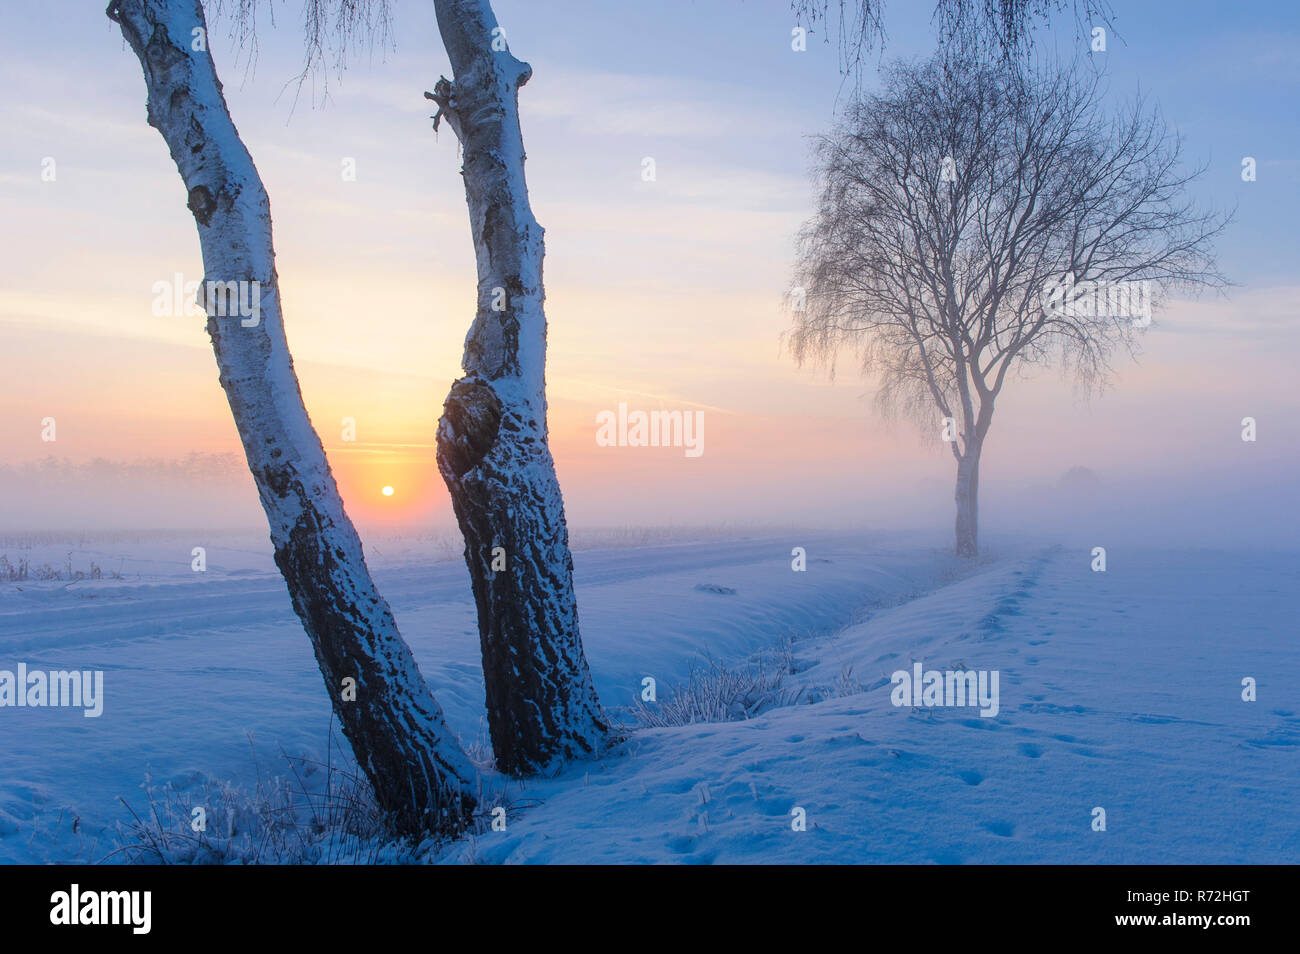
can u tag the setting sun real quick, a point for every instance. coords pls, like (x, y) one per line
(387, 491)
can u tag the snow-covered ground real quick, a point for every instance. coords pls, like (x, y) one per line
(1119, 690)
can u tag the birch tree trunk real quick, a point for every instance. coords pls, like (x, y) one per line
(967, 497)
(421, 777)
(492, 438)
(978, 418)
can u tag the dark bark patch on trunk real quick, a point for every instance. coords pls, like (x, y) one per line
(196, 138)
(470, 422)
(202, 203)
(161, 52)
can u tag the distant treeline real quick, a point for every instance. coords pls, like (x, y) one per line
(191, 469)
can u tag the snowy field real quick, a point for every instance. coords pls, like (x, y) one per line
(1119, 690)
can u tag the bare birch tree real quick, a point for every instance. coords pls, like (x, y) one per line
(974, 220)
(492, 438)
(421, 777)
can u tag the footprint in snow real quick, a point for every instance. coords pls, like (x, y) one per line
(1000, 828)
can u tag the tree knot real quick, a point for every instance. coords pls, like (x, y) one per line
(443, 94)
(202, 203)
(471, 419)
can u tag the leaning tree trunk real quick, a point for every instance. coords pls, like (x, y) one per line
(421, 777)
(492, 438)
(967, 496)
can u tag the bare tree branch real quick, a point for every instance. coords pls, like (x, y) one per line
(990, 29)
(333, 32)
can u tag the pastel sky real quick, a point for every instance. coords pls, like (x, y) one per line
(663, 294)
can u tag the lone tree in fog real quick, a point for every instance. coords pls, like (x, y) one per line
(974, 220)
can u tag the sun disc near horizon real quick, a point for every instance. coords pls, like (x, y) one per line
(387, 491)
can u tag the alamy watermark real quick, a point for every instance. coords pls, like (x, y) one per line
(1067, 298)
(75, 907)
(950, 687)
(56, 688)
(212, 298)
(624, 428)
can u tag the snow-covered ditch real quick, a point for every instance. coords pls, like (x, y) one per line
(1119, 690)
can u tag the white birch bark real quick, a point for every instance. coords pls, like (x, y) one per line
(421, 777)
(492, 438)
